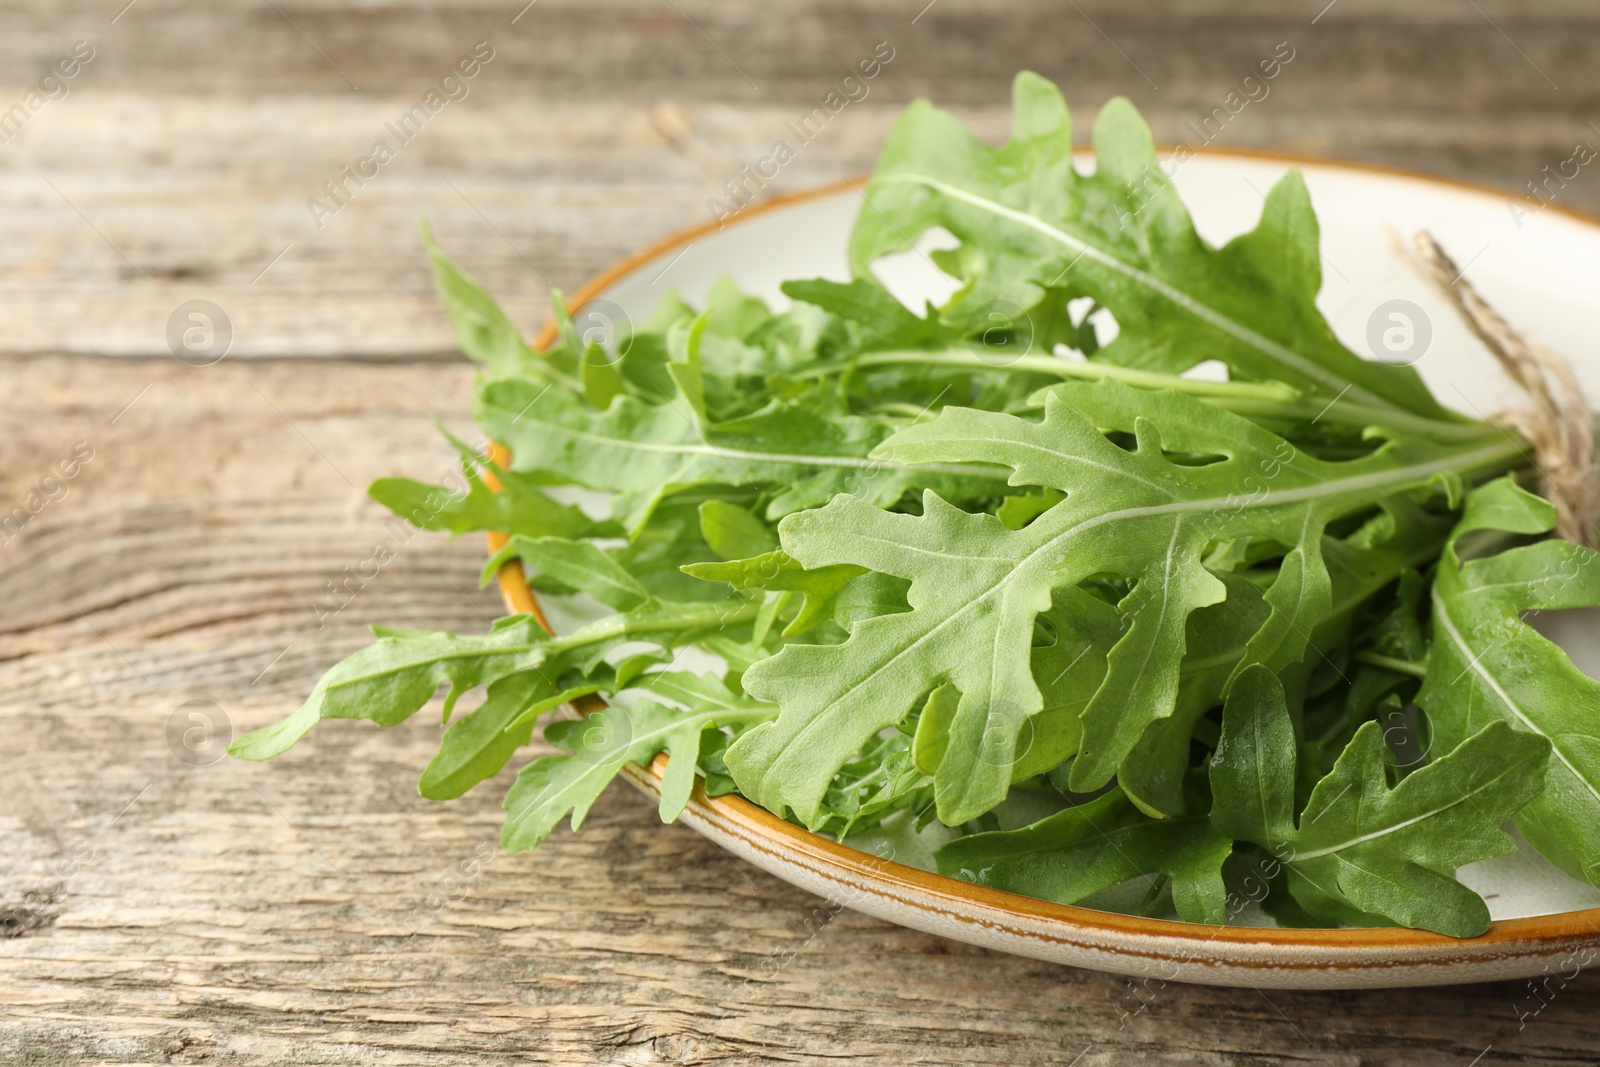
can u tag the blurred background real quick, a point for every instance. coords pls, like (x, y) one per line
(160, 160)
(184, 153)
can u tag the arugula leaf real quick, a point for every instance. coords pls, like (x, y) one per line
(1027, 220)
(1216, 643)
(878, 319)
(476, 746)
(642, 452)
(931, 739)
(976, 586)
(1223, 637)
(578, 564)
(732, 532)
(483, 330)
(390, 679)
(598, 746)
(1487, 665)
(885, 779)
(1366, 848)
(732, 313)
(517, 505)
(655, 552)
(1079, 851)
(819, 587)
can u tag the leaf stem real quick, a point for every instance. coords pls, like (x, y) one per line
(910, 412)
(1267, 400)
(1060, 368)
(681, 617)
(1345, 413)
(1414, 668)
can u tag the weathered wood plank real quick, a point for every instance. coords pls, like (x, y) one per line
(556, 163)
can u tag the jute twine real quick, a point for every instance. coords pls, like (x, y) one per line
(1557, 421)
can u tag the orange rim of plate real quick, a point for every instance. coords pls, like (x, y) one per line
(1547, 931)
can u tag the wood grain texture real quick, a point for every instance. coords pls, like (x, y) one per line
(315, 910)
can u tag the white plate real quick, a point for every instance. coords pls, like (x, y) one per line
(1539, 268)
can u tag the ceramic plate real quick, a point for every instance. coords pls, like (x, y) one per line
(1540, 267)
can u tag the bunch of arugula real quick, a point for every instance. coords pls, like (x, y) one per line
(944, 563)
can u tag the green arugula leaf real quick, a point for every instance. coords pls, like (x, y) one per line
(732, 532)
(932, 737)
(390, 679)
(642, 452)
(476, 746)
(656, 551)
(977, 587)
(1487, 665)
(518, 504)
(1079, 851)
(820, 587)
(1375, 850)
(878, 319)
(1027, 219)
(598, 746)
(601, 379)
(1220, 639)
(483, 330)
(1019, 509)
(578, 564)
(733, 313)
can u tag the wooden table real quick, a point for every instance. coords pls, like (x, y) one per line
(315, 910)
